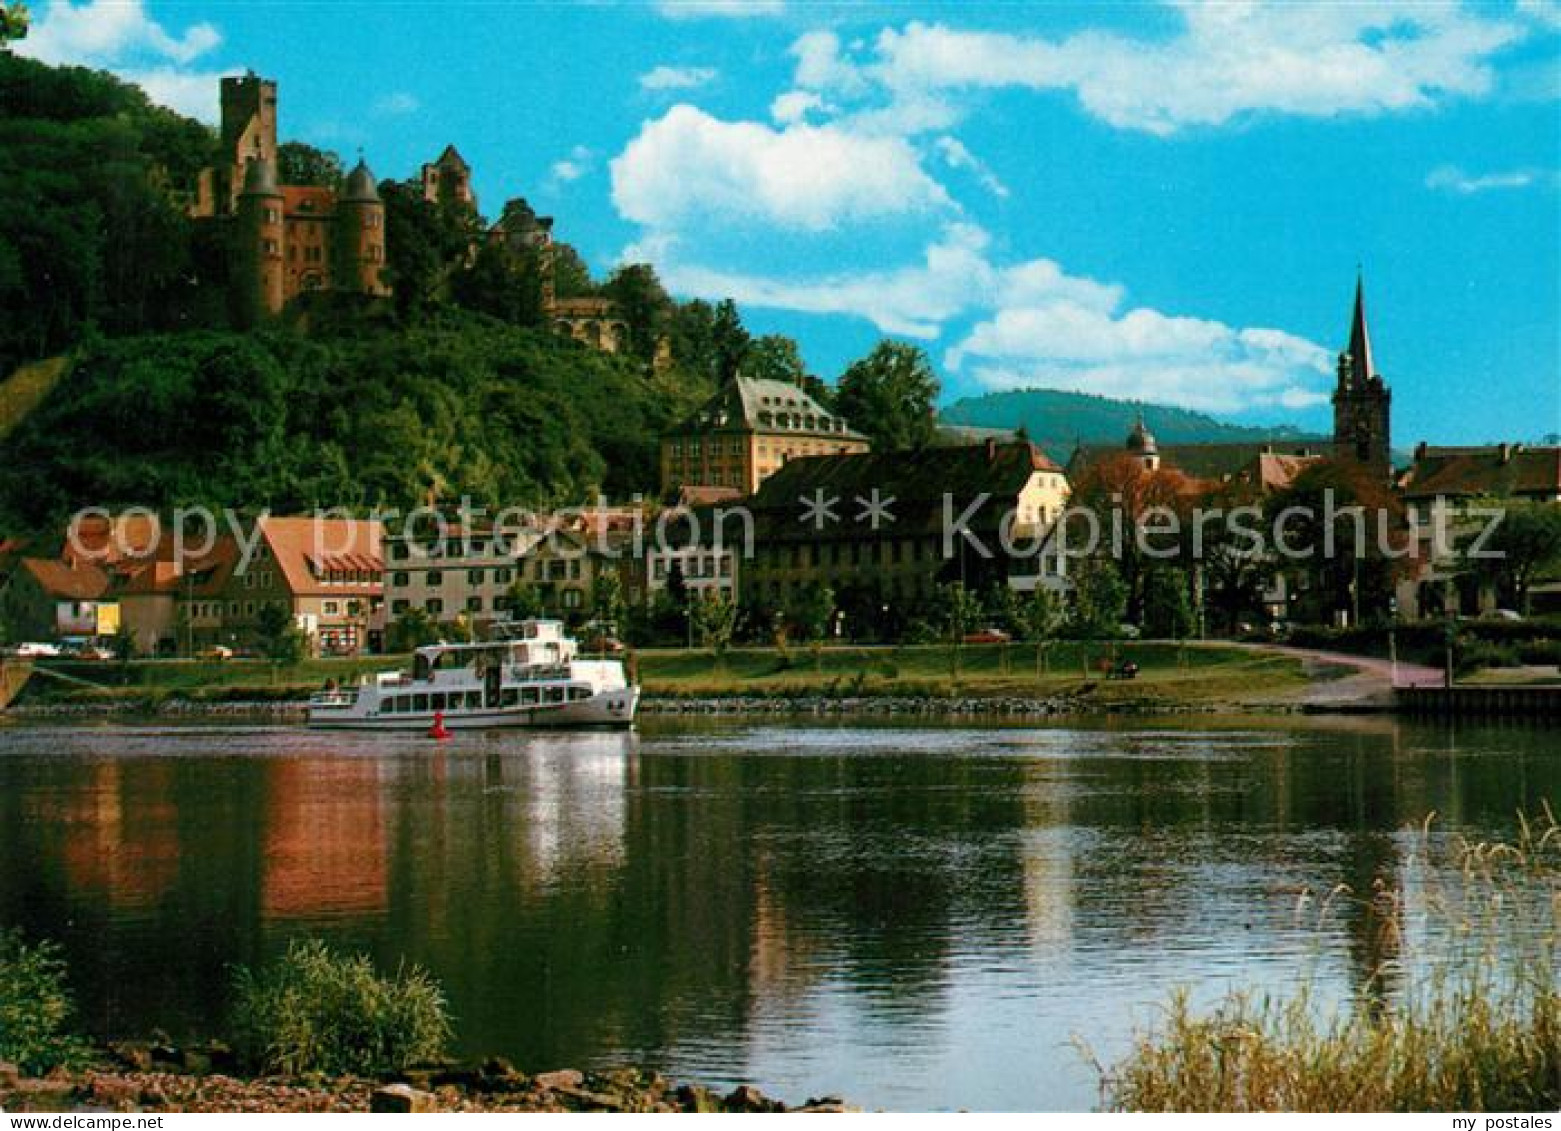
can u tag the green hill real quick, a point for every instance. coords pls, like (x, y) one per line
(1058, 420)
(461, 405)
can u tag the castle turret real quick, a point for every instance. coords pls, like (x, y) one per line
(1361, 399)
(258, 236)
(360, 238)
(248, 133)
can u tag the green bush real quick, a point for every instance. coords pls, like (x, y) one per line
(1476, 655)
(35, 1007)
(318, 1011)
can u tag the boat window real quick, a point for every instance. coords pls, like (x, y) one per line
(420, 702)
(511, 696)
(420, 666)
(579, 693)
(528, 695)
(436, 700)
(554, 694)
(474, 700)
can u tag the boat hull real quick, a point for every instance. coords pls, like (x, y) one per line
(608, 709)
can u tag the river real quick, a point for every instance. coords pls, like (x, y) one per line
(912, 916)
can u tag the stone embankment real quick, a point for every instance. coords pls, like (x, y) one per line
(816, 706)
(140, 1077)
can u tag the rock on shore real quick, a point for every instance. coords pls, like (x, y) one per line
(129, 1082)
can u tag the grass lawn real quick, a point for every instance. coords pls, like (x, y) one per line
(1202, 674)
(1165, 672)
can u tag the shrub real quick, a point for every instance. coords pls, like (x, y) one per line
(318, 1011)
(35, 1007)
(1475, 655)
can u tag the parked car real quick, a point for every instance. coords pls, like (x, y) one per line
(95, 653)
(215, 652)
(604, 645)
(987, 636)
(36, 650)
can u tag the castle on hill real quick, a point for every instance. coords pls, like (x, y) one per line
(291, 240)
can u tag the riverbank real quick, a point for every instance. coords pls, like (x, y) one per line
(1065, 678)
(151, 1077)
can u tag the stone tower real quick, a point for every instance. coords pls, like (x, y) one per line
(248, 134)
(1361, 401)
(360, 235)
(258, 234)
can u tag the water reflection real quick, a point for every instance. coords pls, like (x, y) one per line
(917, 916)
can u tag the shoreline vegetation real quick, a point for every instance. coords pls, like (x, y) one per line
(1462, 1014)
(1063, 678)
(315, 1029)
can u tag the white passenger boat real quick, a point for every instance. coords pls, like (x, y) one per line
(529, 677)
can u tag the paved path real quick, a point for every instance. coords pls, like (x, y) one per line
(1370, 682)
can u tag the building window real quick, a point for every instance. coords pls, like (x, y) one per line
(474, 604)
(434, 605)
(399, 607)
(400, 579)
(474, 577)
(332, 608)
(435, 577)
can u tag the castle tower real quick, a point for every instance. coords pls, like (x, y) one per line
(1361, 400)
(448, 180)
(248, 134)
(360, 235)
(258, 234)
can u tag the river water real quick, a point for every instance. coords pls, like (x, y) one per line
(912, 916)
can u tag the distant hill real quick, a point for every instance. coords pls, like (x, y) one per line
(1057, 420)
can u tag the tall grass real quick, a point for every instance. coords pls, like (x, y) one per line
(35, 1007)
(1476, 1026)
(318, 1011)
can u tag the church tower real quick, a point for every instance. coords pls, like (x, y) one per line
(1361, 400)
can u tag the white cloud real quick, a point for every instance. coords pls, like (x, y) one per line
(1450, 178)
(676, 78)
(914, 301)
(1060, 332)
(1547, 12)
(795, 105)
(1226, 61)
(726, 9)
(120, 36)
(397, 102)
(687, 166)
(954, 153)
(580, 161)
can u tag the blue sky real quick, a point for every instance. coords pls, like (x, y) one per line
(1162, 201)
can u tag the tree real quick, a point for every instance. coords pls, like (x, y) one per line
(1099, 599)
(1168, 611)
(775, 357)
(522, 600)
(643, 303)
(715, 620)
(1043, 619)
(425, 244)
(809, 613)
(13, 21)
(960, 607)
(1524, 546)
(571, 276)
(889, 396)
(301, 164)
(280, 638)
(729, 340)
(607, 598)
(413, 629)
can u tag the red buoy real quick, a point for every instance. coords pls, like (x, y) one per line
(438, 730)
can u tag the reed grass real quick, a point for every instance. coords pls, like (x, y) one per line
(1475, 1026)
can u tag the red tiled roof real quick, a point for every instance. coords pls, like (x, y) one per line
(1499, 470)
(85, 582)
(307, 200)
(304, 547)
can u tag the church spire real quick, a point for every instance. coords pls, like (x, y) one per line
(1360, 340)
